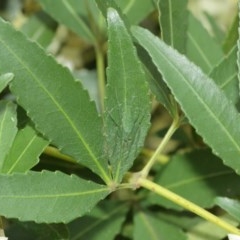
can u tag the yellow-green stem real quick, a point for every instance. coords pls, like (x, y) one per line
(165, 140)
(53, 152)
(187, 205)
(101, 75)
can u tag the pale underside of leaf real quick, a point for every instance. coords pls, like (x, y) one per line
(206, 106)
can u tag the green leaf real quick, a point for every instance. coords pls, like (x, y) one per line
(205, 230)
(104, 222)
(231, 206)
(39, 28)
(136, 10)
(8, 128)
(148, 226)
(232, 36)
(47, 196)
(56, 103)
(25, 150)
(156, 84)
(201, 48)
(173, 18)
(29, 230)
(199, 98)
(225, 75)
(127, 103)
(199, 172)
(71, 13)
(5, 79)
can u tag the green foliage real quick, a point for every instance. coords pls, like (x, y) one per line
(69, 166)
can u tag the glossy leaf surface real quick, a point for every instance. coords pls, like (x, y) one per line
(148, 226)
(25, 151)
(174, 23)
(8, 128)
(199, 172)
(5, 79)
(47, 196)
(127, 103)
(51, 89)
(103, 222)
(201, 48)
(199, 98)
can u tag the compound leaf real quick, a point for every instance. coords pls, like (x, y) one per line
(199, 98)
(127, 101)
(25, 151)
(56, 103)
(47, 196)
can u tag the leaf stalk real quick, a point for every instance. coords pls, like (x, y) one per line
(143, 182)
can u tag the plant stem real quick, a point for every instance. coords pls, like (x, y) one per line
(54, 152)
(187, 205)
(100, 74)
(165, 140)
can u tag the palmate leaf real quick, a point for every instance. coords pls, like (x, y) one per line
(25, 151)
(5, 79)
(173, 18)
(199, 177)
(103, 222)
(127, 103)
(56, 103)
(8, 128)
(206, 106)
(47, 196)
(73, 14)
(148, 226)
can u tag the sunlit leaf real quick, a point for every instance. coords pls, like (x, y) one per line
(56, 103)
(47, 196)
(199, 98)
(25, 150)
(127, 103)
